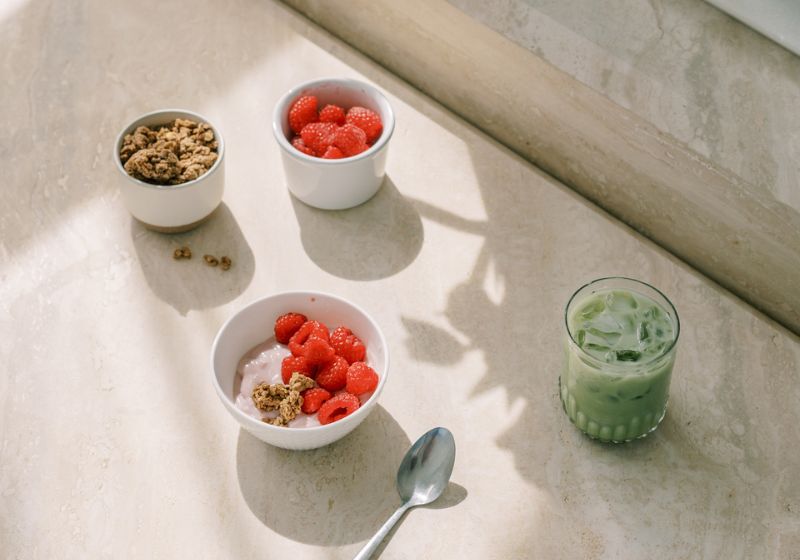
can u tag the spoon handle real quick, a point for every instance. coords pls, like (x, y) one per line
(376, 539)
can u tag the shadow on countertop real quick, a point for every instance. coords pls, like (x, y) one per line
(336, 495)
(191, 283)
(372, 241)
(339, 494)
(453, 495)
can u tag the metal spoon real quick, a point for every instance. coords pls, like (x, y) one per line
(421, 478)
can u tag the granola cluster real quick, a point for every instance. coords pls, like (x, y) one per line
(285, 399)
(175, 153)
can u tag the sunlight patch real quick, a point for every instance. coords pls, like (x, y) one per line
(8, 7)
(494, 284)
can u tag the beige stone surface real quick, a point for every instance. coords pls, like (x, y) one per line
(711, 82)
(736, 218)
(112, 441)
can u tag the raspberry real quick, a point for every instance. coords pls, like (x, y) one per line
(333, 153)
(302, 112)
(318, 351)
(348, 345)
(332, 113)
(288, 324)
(318, 136)
(338, 337)
(366, 120)
(337, 407)
(313, 399)
(361, 379)
(299, 364)
(350, 139)
(333, 376)
(298, 143)
(309, 329)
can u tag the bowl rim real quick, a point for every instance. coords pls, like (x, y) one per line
(282, 107)
(189, 114)
(247, 420)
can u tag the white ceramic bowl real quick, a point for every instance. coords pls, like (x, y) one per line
(334, 184)
(172, 208)
(254, 324)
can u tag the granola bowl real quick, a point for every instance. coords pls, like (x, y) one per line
(172, 208)
(334, 184)
(253, 324)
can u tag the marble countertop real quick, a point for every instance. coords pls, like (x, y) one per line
(727, 224)
(697, 74)
(112, 441)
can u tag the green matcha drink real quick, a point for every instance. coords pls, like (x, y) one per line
(621, 345)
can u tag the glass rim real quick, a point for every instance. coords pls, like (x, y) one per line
(627, 366)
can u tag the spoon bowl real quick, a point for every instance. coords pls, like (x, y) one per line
(422, 477)
(426, 468)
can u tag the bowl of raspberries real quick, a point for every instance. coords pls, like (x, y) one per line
(300, 370)
(334, 136)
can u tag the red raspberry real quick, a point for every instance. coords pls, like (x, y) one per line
(296, 364)
(302, 112)
(338, 337)
(318, 136)
(288, 324)
(298, 143)
(309, 329)
(313, 399)
(333, 153)
(337, 407)
(366, 120)
(361, 379)
(348, 345)
(332, 113)
(333, 376)
(318, 351)
(350, 139)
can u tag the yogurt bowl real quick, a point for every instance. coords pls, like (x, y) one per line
(334, 184)
(253, 324)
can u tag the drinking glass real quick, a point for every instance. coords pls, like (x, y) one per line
(621, 342)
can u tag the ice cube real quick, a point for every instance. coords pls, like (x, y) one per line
(642, 332)
(620, 301)
(607, 323)
(628, 322)
(652, 312)
(592, 309)
(628, 355)
(609, 337)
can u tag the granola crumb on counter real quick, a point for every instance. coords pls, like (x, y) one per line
(182, 253)
(286, 399)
